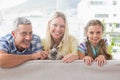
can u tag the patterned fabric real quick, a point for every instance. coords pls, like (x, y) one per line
(82, 47)
(7, 44)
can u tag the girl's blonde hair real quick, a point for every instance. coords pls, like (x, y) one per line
(48, 38)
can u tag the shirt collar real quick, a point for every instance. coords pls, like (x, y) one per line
(14, 49)
(60, 44)
(94, 49)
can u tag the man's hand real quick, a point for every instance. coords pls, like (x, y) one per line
(40, 55)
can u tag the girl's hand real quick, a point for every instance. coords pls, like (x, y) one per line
(100, 60)
(88, 60)
(70, 58)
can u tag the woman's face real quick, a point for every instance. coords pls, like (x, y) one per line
(57, 28)
(94, 34)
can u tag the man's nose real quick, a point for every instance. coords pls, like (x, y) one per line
(28, 37)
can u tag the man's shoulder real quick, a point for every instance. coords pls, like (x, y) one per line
(36, 38)
(6, 42)
(7, 37)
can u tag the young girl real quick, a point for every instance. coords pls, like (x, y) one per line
(95, 48)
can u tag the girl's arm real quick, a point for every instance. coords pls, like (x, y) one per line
(81, 55)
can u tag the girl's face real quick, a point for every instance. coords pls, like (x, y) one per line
(57, 28)
(94, 34)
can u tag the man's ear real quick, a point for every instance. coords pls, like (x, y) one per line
(13, 34)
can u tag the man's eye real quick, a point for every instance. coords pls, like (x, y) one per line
(23, 34)
(30, 33)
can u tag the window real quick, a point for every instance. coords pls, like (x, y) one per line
(101, 15)
(114, 3)
(97, 3)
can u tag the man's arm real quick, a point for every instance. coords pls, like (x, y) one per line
(11, 60)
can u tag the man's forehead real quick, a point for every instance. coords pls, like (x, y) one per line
(25, 28)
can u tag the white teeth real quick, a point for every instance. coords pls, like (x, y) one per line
(26, 42)
(57, 33)
(95, 39)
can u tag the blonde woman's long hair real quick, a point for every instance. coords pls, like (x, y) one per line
(48, 38)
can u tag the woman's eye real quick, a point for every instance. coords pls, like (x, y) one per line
(62, 26)
(55, 25)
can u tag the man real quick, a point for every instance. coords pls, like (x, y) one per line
(21, 45)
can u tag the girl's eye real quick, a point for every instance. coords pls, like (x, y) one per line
(98, 32)
(91, 32)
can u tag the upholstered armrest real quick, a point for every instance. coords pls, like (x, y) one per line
(57, 70)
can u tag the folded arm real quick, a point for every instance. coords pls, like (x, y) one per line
(12, 60)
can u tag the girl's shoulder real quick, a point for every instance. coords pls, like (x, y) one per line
(105, 41)
(82, 44)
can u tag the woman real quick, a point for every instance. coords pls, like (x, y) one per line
(57, 35)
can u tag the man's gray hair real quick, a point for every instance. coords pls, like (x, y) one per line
(21, 20)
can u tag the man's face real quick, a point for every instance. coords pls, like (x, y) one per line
(22, 36)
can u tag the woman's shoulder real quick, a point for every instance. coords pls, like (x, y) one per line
(43, 41)
(71, 37)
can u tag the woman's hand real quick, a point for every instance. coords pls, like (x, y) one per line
(70, 58)
(100, 60)
(88, 60)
